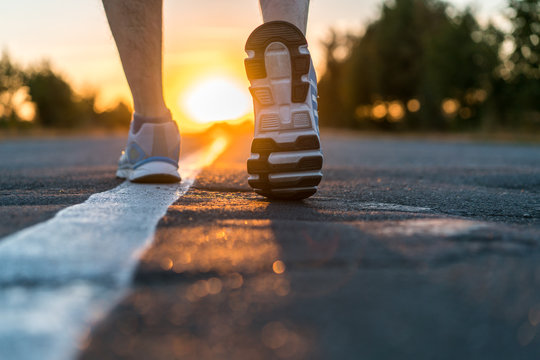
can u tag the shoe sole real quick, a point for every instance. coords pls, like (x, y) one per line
(155, 172)
(286, 158)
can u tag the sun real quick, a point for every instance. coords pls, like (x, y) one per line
(216, 99)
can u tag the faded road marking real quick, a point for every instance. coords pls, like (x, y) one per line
(438, 227)
(392, 207)
(60, 276)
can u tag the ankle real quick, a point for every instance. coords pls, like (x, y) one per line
(138, 120)
(155, 110)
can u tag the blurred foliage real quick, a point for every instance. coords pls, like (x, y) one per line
(525, 18)
(56, 103)
(11, 81)
(41, 97)
(423, 65)
(522, 70)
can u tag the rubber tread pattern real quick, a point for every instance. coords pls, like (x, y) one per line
(290, 36)
(295, 189)
(264, 166)
(303, 142)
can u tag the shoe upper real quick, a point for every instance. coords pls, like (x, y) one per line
(314, 95)
(151, 142)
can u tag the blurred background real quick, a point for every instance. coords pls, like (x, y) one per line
(394, 66)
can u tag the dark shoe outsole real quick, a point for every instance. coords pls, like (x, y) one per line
(263, 168)
(157, 179)
(289, 35)
(287, 194)
(304, 170)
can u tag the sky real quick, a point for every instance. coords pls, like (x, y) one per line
(202, 39)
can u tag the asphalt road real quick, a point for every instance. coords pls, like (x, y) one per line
(415, 249)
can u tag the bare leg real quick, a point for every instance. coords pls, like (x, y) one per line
(153, 143)
(293, 11)
(137, 29)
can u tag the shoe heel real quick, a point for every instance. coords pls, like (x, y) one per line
(155, 172)
(291, 38)
(286, 159)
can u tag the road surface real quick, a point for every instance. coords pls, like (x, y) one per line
(415, 249)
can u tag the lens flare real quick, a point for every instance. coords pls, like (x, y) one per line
(216, 99)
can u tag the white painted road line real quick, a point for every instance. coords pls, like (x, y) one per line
(60, 276)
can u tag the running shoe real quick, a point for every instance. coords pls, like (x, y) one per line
(151, 154)
(286, 158)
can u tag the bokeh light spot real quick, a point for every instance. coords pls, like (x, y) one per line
(396, 111)
(450, 106)
(278, 266)
(379, 111)
(413, 105)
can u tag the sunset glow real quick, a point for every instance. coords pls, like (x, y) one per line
(216, 99)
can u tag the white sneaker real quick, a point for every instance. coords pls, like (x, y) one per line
(286, 157)
(151, 154)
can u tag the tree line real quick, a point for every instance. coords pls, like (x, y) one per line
(421, 65)
(39, 96)
(424, 65)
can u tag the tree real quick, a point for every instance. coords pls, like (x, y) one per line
(118, 117)
(420, 65)
(525, 19)
(460, 64)
(523, 66)
(56, 103)
(10, 83)
(331, 94)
